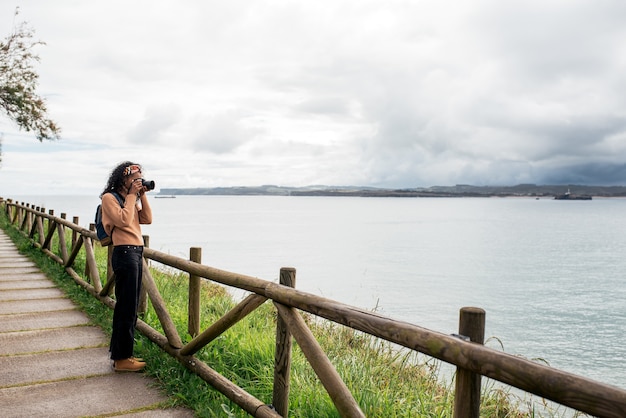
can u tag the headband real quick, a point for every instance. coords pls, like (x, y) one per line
(132, 169)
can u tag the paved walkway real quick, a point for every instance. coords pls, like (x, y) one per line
(53, 363)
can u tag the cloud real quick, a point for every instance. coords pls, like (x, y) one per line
(222, 133)
(324, 106)
(155, 125)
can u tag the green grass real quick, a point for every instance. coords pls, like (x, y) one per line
(385, 381)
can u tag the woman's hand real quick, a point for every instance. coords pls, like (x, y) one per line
(136, 187)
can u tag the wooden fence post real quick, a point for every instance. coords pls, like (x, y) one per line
(23, 219)
(16, 215)
(109, 286)
(92, 227)
(143, 295)
(467, 391)
(90, 263)
(61, 236)
(46, 242)
(193, 313)
(74, 233)
(282, 357)
(50, 221)
(40, 229)
(28, 220)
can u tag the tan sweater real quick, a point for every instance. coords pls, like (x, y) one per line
(125, 219)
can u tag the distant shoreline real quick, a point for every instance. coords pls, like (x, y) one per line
(521, 190)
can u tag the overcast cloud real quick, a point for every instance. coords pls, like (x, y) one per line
(382, 93)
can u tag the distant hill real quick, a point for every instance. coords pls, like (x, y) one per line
(460, 190)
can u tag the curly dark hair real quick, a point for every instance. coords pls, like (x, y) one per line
(116, 178)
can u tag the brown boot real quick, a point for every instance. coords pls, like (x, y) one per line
(128, 365)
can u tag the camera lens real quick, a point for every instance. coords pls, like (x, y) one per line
(148, 184)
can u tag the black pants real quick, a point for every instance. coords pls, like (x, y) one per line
(127, 266)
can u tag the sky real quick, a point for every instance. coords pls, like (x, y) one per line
(384, 93)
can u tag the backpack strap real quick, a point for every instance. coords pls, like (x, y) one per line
(119, 198)
(121, 202)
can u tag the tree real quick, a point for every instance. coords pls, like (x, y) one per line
(18, 84)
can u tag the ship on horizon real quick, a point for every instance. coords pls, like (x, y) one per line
(569, 196)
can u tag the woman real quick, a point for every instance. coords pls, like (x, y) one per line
(122, 223)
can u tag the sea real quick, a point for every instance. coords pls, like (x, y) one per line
(550, 274)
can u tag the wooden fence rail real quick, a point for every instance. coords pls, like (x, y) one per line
(465, 350)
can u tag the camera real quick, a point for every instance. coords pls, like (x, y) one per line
(148, 184)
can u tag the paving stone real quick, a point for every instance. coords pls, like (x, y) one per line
(26, 284)
(113, 393)
(7, 255)
(41, 305)
(10, 252)
(11, 277)
(18, 270)
(26, 342)
(31, 294)
(12, 263)
(42, 320)
(53, 366)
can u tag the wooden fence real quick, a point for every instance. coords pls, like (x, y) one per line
(465, 350)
